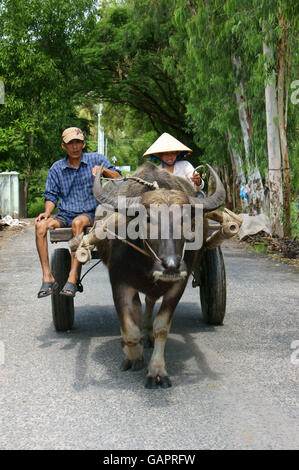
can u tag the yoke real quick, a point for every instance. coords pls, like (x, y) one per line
(57, 235)
(63, 234)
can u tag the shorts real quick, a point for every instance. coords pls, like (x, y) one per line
(66, 220)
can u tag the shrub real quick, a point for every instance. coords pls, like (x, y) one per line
(295, 219)
(35, 207)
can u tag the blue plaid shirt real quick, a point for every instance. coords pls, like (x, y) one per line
(73, 186)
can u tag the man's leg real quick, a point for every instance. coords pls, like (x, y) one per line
(78, 226)
(41, 230)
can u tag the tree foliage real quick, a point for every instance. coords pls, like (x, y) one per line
(40, 67)
(187, 67)
(124, 63)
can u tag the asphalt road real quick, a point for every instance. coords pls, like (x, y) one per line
(234, 386)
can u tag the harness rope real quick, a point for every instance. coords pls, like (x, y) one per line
(124, 240)
(153, 185)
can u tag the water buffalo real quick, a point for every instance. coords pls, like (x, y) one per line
(157, 267)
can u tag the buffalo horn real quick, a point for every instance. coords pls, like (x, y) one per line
(211, 203)
(106, 195)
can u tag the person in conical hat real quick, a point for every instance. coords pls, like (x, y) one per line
(171, 153)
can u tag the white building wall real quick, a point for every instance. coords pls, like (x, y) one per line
(9, 194)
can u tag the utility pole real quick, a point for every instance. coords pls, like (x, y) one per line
(101, 136)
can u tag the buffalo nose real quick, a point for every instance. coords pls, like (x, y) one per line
(171, 262)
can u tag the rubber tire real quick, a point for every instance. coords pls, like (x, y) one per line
(213, 287)
(62, 306)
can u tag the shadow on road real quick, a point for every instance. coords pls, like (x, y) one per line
(97, 364)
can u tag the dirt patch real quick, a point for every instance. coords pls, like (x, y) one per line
(284, 250)
(7, 233)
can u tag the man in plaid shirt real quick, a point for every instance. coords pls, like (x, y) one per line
(70, 180)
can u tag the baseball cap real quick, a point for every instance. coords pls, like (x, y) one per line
(72, 133)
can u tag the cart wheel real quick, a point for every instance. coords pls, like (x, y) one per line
(62, 306)
(213, 287)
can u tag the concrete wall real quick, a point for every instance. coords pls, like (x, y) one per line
(9, 194)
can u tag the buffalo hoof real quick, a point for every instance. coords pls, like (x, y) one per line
(151, 383)
(125, 365)
(165, 382)
(133, 365)
(155, 382)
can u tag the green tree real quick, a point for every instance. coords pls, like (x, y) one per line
(225, 77)
(129, 134)
(124, 64)
(41, 70)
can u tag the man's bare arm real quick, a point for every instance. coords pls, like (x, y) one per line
(106, 172)
(49, 207)
(110, 173)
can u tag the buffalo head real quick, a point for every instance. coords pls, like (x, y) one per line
(160, 217)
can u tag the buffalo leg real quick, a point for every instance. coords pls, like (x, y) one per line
(157, 373)
(147, 323)
(128, 307)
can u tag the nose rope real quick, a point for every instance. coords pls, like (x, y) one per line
(183, 252)
(124, 240)
(157, 257)
(150, 248)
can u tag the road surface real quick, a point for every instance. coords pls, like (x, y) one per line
(234, 386)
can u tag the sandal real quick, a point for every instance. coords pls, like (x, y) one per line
(47, 288)
(69, 289)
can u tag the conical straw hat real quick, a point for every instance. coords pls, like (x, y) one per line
(166, 143)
